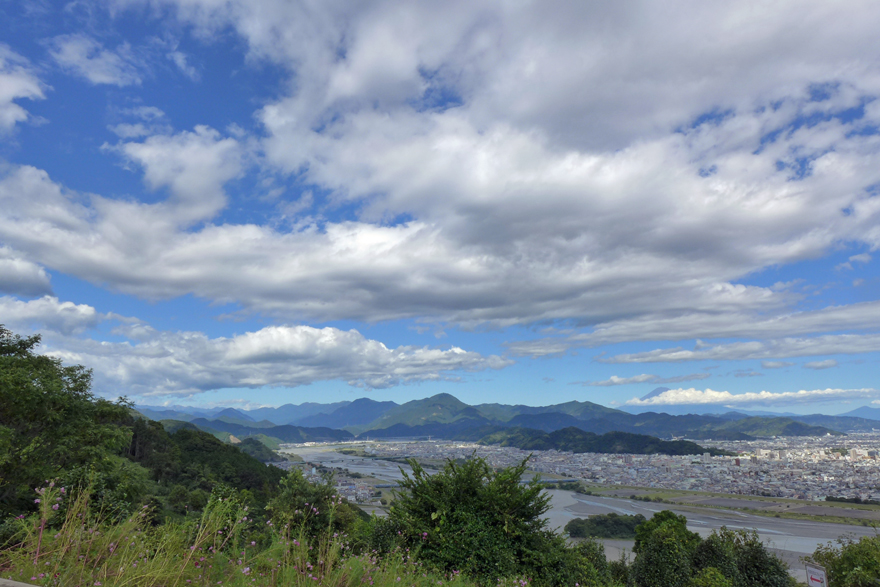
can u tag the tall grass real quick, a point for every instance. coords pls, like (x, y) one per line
(78, 544)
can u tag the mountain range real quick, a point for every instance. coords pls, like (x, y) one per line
(444, 416)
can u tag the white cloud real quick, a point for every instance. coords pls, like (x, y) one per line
(17, 81)
(187, 363)
(87, 58)
(192, 165)
(180, 60)
(860, 258)
(775, 364)
(21, 277)
(817, 365)
(157, 363)
(48, 313)
(709, 396)
(563, 179)
(644, 378)
(768, 349)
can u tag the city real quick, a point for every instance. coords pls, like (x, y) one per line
(803, 468)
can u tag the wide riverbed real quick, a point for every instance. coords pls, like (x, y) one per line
(791, 539)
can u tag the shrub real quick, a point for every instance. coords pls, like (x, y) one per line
(605, 526)
(853, 563)
(485, 524)
(313, 509)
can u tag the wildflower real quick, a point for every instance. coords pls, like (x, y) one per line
(63, 491)
(253, 543)
(36, 501)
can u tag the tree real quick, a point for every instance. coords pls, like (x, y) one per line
(664, 557)
(853, 563)
(50, 421)
(486, 524)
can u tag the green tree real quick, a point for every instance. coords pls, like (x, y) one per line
(664, 557)
(486, 524)
(50, 421)
(853, 563)
(710, 577)
(678, 523)
(753, 565)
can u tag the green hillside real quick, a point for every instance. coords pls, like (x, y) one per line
(442, 408)
(578, 441)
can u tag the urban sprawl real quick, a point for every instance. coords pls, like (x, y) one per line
(806, 468)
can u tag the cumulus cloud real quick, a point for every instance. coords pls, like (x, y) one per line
(21, 277)
(617, 169)
(187, 363)
(193, 166)
(709, 396)
(17, 80)
(85, 57)
(48, 313)
(156, 363)
(644, 378)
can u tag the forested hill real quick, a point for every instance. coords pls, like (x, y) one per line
(576, 440)
(53, 428)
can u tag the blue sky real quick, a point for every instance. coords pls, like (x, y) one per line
(267, 202)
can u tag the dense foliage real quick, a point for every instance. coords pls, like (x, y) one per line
(669, 554)
(53, 427)
(605, 526)
(49, 421)
(576, 440)
(485, 524)
(853, 563)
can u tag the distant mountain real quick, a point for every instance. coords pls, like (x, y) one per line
(544, 422)
(655, 392)
(358, 413)
(160, 414)
(652, 424)
(285, 433)
(701, 409)
(577, 441)
(291, 413)
(580, 410)
(843, 423)
(865, 412)
(234, 414)
(441, 408)
(444, 416)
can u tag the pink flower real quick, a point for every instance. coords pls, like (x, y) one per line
(55, 507)
(36, 501)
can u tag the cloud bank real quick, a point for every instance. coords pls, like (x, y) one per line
(709, 396)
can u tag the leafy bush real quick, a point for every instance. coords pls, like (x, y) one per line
(311, 509)
(853, 563)
(49, 421)
(485, 524)
(605, 526)
(741, 557)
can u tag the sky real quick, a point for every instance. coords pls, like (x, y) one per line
(258, 202)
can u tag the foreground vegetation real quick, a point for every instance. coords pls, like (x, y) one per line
(93, 495)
